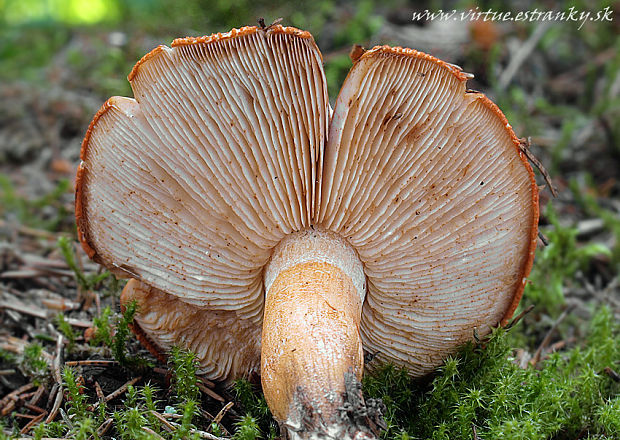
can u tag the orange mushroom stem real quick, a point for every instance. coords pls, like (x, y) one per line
(315, 290)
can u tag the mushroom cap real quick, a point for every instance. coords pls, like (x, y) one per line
(232, 345)
(437, 199)
(189, 187)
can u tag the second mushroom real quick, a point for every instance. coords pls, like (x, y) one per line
(267, 232)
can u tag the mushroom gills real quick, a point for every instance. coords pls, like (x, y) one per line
(230, 145)
(315, 288)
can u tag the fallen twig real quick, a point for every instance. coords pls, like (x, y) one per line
(21, 273)
(37, 233)
(26, 429)
(220, 415)
(61, 304)
(520, 316)
(547, 339)
(58, 359)
(210, 392)
(611, 373)
(103, 428)
(116, 393)
(9, 399)
(524, 145)
(545, 240)
(99, 391)
(37, 396)
(34, 408)
(57, 402)
(202, 434)
(91, 363)
(474, 432)
(163, 420)
(590, 226)
(152, 433)
(23, 308)
(522, 55)
(79, 323)
(24, 416)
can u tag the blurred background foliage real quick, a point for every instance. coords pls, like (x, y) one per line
(35, 31)
(99, 40)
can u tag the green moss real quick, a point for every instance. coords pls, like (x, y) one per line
(86, 282)
(247, 429)
(608, 418)
(67, 330)
(103, 328)
(254, 405)
(185, 430)
(185, 382)
(6, 356)
(483, 387)
(77, 398)
(557, 263)
(121, 336)
(131, 419)
(33, 363)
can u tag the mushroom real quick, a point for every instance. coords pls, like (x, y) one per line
(261, 229)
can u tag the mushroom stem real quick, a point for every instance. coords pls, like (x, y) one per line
(315, 289)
